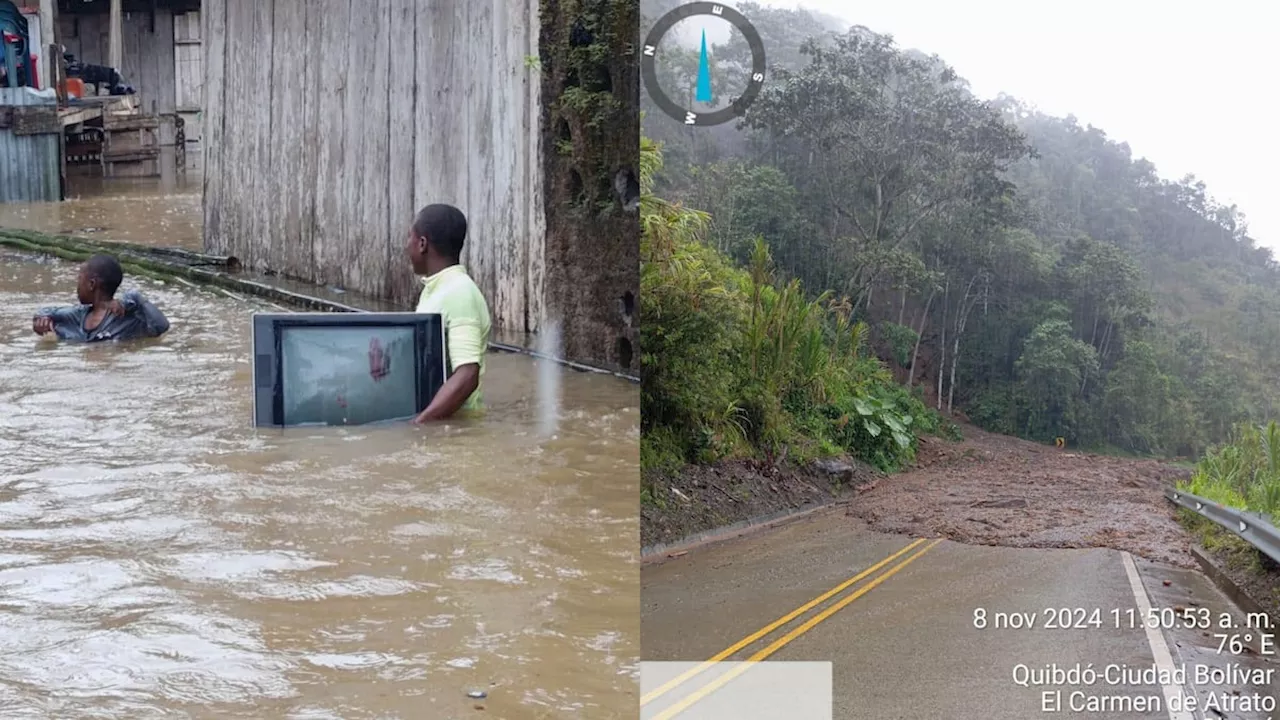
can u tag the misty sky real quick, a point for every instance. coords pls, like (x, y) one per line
(1187, 85)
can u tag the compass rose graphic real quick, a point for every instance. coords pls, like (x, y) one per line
(702, 93)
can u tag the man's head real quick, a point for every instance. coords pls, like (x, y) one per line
(436, 238)
(100, 276)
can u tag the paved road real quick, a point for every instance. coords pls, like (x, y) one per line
(905, 646)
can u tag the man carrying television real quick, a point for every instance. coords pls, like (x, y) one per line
(435, 251)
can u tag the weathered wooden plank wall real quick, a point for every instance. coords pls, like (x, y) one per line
(329, 123)
(148, 56)
(189, 81)
(30, 165)
(188, 73)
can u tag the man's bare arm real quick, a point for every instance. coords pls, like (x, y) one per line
(453, 394)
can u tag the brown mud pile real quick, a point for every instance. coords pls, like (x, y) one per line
(997, 490)
(985, 490)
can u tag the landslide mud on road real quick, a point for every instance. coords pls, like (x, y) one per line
(997, 490)
(985, 490)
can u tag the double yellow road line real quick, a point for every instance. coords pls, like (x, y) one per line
(781, 642)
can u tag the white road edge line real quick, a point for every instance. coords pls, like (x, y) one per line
(1155, 638)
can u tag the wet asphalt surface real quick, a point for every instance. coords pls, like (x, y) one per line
(908, 648)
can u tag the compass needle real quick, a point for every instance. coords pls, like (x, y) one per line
(704, 73)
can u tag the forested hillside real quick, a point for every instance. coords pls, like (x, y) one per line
(1022, 271)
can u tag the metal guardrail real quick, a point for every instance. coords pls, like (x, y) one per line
(1250, 526)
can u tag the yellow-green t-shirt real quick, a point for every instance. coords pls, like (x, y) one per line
(452, 294)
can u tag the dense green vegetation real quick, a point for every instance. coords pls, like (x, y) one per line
(1243, 473)
(875, 231)
(735, 363)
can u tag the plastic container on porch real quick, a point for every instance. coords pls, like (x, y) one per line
(74, 87)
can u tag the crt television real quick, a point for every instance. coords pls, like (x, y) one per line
(345, 368)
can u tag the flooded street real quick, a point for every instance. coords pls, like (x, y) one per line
(157, 211)
(161, 558)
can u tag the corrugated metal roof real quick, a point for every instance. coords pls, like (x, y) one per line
(30, 166)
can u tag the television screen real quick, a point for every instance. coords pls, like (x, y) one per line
(345, 368)
(327, 374)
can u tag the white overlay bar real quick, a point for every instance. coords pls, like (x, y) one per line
(736, 691)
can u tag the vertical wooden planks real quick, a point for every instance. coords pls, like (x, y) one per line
(97, 40)
(67, 30)
(102, 28)
(283, 202)
(453, 110)
(134, 37)
(535, 217)
(188, 82)
(162, 51)
(132, 66)
(488, 236)
(461, 85)
(147, 55)
(311, 83)
(359, 51)
(265, 169)
(441, 107)
(213, 28)
(93, 38)
(233, 163)
(431, 138)
(426, 95)
(188, 76)
(331, 225)
(470, 86)
(403, 91)
(514, 163)
(371, 252)
(329, 123)
(86, 37)
(240, 121)
(503, 144)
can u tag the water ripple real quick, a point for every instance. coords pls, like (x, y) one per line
(161, 558)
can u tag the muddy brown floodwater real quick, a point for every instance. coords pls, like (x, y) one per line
(161, 558)
(159, 211)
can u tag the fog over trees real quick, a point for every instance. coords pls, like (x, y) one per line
(873, 240)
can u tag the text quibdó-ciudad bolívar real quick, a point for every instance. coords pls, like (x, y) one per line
(1060, 687)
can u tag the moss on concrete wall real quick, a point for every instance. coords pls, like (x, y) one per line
(590, 139)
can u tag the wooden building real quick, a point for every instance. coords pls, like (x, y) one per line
(156, 49)
(328, 123)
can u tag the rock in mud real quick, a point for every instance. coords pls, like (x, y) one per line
(849, 472)
(835, 468)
